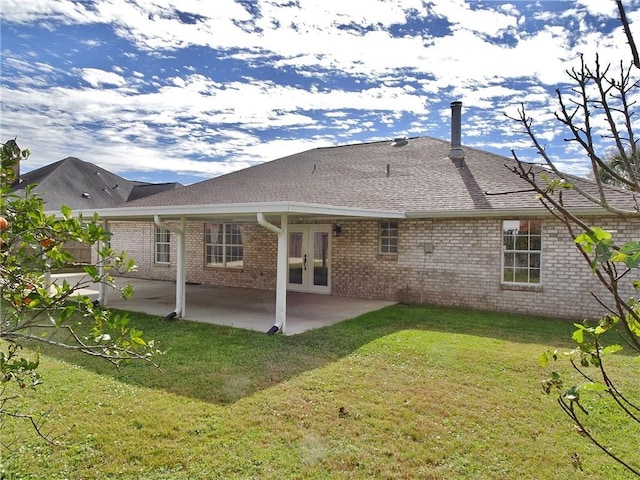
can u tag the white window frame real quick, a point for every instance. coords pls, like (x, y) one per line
(524, 246)
(386, 235)
(162, 238)
(231, 250)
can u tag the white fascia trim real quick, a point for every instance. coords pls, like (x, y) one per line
(505, 212)
(236, 209)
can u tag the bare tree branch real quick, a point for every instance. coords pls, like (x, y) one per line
(627, 32)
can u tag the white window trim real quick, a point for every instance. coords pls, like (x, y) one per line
(380, 237)
(504, 250)
(157, 230)
(225, 263)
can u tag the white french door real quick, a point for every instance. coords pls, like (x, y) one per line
(309, 258)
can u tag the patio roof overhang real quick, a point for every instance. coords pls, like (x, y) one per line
(236, 210)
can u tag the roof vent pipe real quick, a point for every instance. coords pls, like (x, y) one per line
(456, 152)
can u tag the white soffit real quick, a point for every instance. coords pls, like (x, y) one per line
(502, 212)
(178, 211)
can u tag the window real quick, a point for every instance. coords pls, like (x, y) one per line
(223, 245)
(521, 251)
(389, 237)
(163, 244)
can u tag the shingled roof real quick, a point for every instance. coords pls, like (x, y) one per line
(414, 177)
(83, 185)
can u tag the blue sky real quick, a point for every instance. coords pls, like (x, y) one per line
(184, 90)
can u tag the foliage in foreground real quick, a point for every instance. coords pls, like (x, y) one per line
(33, 308)
(600, 95)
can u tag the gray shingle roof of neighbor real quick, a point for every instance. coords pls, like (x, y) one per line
(414, 176)
(83, 185)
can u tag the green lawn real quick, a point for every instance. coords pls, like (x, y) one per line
(402, 393)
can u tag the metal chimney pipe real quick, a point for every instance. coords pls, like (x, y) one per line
(456, 152)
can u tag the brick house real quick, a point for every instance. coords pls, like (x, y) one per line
(409, 220)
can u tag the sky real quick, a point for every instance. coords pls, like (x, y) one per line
(186, 90)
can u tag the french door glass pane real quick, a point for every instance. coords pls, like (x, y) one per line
(295, 258)
(320, 258)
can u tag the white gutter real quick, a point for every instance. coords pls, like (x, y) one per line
(281, 272)
(272, 208)
(503, 212)
(180, 266)
(296, 208)
(102, 287)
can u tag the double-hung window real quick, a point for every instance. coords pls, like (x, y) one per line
(521, 251)
(223, 245)
(163, 245)
(389, 237)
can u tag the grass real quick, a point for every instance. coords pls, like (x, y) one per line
(406, 392)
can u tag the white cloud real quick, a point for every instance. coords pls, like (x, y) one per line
(97, 78)
(599, 7)
(210, 117)
(488, 22)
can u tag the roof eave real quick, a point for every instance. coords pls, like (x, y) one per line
(502, 212)
(212, 210)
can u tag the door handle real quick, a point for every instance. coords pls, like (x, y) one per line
(305, 263)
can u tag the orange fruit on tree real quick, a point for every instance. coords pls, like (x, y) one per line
(3, 223)
(46, 242)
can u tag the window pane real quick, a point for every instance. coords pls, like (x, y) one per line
(521, 275)
(534, 275)
(511, 226)
(522, 245)
(535, 242)
(509, 259)
(507, 275)
(522, 260)
(535, 227)
(508, 242)
(162, 244)
(217, 254)
(388, 237)
(223, 245)
(521, 242)
(534, 260)
(320, 258)
(295, 258)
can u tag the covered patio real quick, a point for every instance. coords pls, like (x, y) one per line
(247, 308)
(175, 218)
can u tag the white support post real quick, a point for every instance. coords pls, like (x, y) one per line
(281, 274)
(181, 270)
(180, 266)
(102, 286)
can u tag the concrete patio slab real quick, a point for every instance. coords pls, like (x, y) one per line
(248, 308)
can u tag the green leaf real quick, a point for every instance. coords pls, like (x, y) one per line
(611, 349)
(578, 335)
(543, 359)
(593, 387)
(600, 234)
(66, 211)
(138, 340)
(91, 270)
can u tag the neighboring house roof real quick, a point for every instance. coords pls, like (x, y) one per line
(415, 178)
(83, 185)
